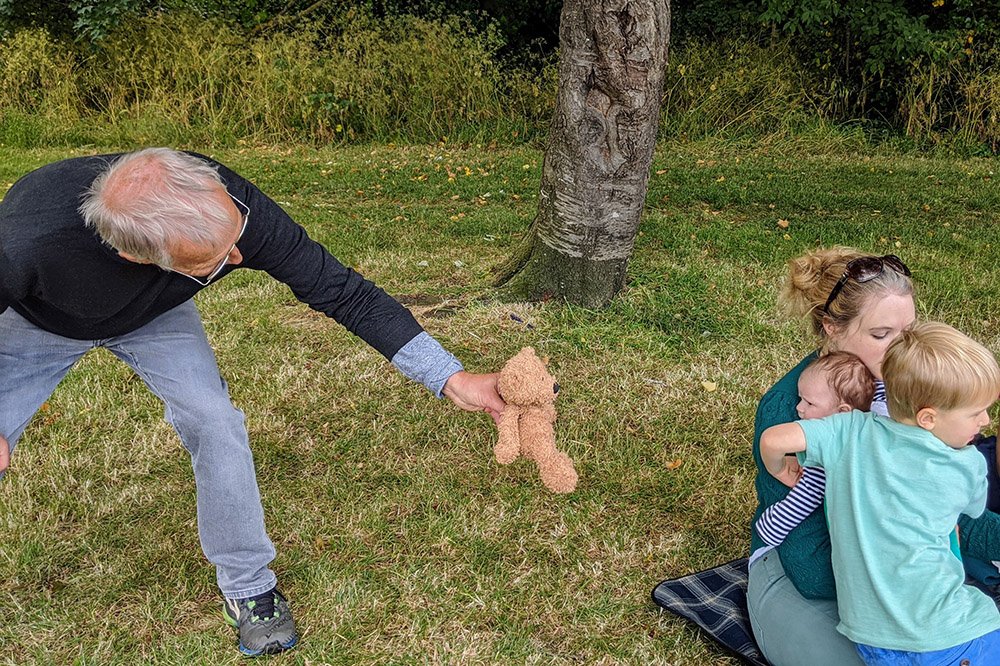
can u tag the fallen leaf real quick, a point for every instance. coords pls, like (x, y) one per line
(783, 224)
(709, 386)
(674, 464)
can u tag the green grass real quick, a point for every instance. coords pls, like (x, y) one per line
(399, 538)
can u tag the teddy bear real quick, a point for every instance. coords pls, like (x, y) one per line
(527, 423)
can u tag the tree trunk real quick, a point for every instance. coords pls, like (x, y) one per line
(613, 58)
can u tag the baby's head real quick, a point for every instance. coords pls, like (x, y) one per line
(835, 382)
(941, 380)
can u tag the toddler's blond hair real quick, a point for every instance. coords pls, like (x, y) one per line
(933, 365)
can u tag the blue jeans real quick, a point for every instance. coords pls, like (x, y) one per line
(982, 651)
(172, 356)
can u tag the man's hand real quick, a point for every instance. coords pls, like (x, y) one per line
(475, 393)
(4, 453)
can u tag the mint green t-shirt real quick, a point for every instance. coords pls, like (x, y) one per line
(894, 493)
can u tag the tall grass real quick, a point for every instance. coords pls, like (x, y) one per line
(181, 79)
(959, 100)
(736, 88)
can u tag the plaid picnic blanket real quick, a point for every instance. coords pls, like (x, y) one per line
(716, 601)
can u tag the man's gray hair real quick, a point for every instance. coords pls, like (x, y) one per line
(146, 202)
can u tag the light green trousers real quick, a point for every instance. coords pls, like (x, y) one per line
(790, 629)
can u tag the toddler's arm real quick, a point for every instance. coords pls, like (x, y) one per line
(775, 442)
(782, 517)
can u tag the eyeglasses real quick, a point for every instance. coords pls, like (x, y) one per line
(865, 269)
(204, 281)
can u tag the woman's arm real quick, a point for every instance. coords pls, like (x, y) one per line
(980, 537)
(805, 554)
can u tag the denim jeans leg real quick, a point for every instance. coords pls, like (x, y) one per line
(32, 363)
(172, 356)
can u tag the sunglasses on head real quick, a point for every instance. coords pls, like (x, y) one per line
(864, 269)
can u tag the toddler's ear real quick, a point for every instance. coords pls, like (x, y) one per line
(926, 418)
(844, 407)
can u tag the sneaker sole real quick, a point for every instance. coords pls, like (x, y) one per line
(273, 648)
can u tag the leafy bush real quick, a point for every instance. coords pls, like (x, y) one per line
(869, 47)
(357, 76)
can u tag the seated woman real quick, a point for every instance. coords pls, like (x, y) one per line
(856, 303)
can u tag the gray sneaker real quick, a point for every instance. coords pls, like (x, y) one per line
(264, 623)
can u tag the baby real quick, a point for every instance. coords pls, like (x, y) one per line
(836, 382)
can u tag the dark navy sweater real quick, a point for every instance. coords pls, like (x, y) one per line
(59, 275)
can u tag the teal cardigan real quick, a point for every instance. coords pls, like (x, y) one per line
(805, 554)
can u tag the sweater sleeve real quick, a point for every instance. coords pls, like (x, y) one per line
(274, 243)
(980, 537)
(805, 554)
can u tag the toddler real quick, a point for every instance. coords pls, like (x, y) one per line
(895, 489)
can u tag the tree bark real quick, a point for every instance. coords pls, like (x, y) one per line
(613, 59)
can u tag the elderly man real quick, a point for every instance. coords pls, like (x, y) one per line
(108, 251)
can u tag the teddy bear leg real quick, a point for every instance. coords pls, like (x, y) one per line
(508, 446)
(538, 443)
(557, 473)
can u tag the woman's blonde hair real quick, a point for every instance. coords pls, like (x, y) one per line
(933, 365)
(813, 276)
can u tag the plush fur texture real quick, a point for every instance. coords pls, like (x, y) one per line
(527, 426)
